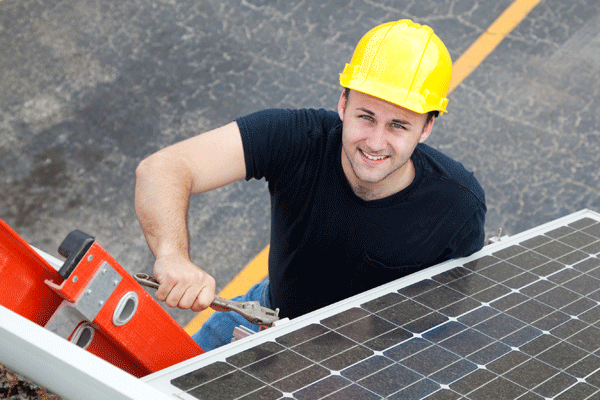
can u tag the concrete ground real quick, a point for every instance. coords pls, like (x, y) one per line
(89, 88)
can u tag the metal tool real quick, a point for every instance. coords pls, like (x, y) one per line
(252, 311)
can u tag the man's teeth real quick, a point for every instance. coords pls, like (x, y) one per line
(370, 157)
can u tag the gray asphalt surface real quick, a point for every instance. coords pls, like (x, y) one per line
(89, 88)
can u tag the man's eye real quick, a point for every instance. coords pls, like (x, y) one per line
(367, 117)
(398, 126)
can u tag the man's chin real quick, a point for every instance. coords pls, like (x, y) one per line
(370, 179)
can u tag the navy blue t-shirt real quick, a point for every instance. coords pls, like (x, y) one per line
(327, 243)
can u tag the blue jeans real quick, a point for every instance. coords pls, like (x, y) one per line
(218, 329)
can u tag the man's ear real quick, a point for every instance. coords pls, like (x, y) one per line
(342, 105)
(426, 130)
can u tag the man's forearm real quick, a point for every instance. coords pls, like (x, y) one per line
(162, 195)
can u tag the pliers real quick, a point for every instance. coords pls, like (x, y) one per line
(252, 311)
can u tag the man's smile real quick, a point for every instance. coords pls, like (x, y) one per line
(371, 159)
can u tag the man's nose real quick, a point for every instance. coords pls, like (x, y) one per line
(376, 140)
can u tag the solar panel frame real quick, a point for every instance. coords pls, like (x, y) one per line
(521, 317)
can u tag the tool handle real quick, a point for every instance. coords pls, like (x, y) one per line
(252, 311)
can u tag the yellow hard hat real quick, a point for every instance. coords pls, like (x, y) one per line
(404, 63)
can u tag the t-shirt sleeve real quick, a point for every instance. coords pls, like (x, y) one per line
(277, 141)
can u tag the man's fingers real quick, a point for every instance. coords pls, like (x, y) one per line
(196, 307)
(195, 297)
(201, 303)
(183, 284)
(189, 297)
(175, 295)
(205, 298)
(164, 290)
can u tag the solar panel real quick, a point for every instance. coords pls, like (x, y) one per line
(518, 320)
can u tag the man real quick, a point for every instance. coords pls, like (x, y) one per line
(357, 198)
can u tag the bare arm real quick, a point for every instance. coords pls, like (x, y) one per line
(165, 181)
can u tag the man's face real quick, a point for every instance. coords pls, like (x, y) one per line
(378, 139)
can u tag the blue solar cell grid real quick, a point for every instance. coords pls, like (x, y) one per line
(519, 323)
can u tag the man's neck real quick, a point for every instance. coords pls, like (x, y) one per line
(382, 189)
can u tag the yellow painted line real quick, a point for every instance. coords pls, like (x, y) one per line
(487, 42)
(253, 273)
(257, 269)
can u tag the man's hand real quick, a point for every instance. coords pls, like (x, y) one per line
(183, 284)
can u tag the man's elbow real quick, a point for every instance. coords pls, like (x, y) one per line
(155, 165)
(162, 171)
(145, 168)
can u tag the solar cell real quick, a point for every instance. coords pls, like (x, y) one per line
(518, 320)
